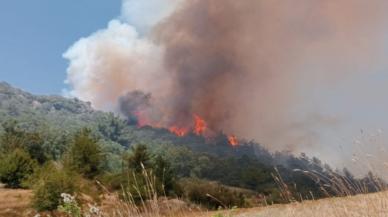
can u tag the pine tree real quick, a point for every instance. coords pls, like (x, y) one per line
(138, 159)
(85, 155)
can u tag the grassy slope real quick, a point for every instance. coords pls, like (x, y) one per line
(16, 202)
(374, 204)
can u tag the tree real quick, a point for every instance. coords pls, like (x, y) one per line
(164, 174)
(12, 137)
(111, 127)
(16, 167)
(85, 156)
(15, 138)
(138, 158)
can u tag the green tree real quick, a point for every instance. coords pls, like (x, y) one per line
(16, 167)
(111, 127)
(138, 158)
(138, 179)
(164, 174)
(85, 156)
(11, 138)
(15, 138)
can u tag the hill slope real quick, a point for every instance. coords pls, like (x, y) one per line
(248, 165)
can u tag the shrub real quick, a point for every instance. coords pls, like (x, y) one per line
(139, 188)
(70, 206)
(51, 183)
(143, 177)
(16, 167)
(211, 194)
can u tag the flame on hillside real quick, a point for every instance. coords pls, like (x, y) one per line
(198, 127)
(179, 131)
(233, 141)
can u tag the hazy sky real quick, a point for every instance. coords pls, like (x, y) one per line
(34, 35)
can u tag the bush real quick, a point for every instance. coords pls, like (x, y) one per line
(70, 206)
(143, 177)
(211, 194)
(139, 187)
(15, 168)
(50, 184)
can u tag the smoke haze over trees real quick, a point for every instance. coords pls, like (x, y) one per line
(261, 70)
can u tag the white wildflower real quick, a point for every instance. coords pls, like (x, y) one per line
(94, 210)
(67, 198)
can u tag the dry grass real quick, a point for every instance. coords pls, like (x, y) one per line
(14, 202)
(367, 205)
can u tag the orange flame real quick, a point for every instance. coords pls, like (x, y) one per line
(199, 125)
(233, 140)
(179, 131)
(141, 119)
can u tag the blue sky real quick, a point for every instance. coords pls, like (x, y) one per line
(34, 35)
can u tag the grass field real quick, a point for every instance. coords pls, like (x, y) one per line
(368, 205)
(16, 203)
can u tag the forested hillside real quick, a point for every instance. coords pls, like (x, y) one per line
(48, 127)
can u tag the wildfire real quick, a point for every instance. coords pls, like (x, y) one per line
(141, 119)
(233, 140)
(199, 125)
(179, 131)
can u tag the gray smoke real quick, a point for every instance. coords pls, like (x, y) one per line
(263, 70)
(132, 104)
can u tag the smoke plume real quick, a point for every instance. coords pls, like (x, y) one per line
(252, 68)
(133, 104)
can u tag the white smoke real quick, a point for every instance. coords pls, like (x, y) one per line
(144, 14)
(121, 53)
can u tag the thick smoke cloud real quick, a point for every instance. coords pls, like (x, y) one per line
(133, 104)
(249, 67)
(243, 65)
(112, 62)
